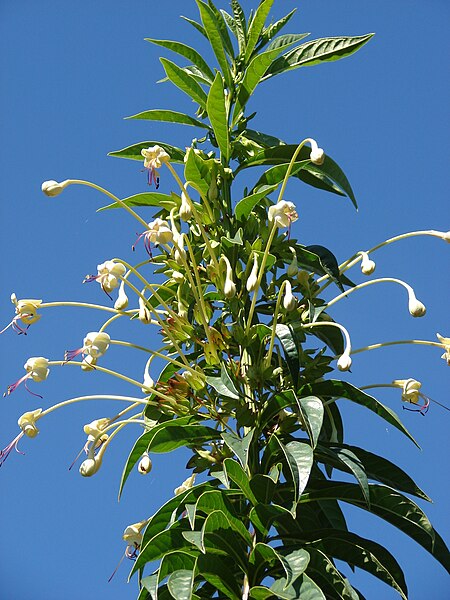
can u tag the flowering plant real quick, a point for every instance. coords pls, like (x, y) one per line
(248, 344)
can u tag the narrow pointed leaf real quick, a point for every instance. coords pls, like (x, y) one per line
(287, 339)
(145, 199)
(196, 26)
(223, 384)
(351, 463)
(188, 53)
(166, 541)
(245, 206)
(236, 473)
(256, 26)
(287, 39)
(185, 82)
(217, 113)
(180, 584)
(272, 30)
(342, 389)
(214, 500)
(299, 459)
(238, 445)
(317, 51)
(134, 152)
(217, 33)
(168, 116)
(216, 570)
(311, 409)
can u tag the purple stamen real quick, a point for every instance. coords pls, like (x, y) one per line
(11, 388)
(421, 409)
(71, 354)
(147, 243)
(90, 278)
(7, 451)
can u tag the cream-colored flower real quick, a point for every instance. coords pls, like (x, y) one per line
(317, 154)
(186, 485)
(145, 464)
(410, 389)
(96, 343)
(253, 277)
(292, 269)
(154, 157)
(37, 367)
(446, 342)
(159, 232)
(26, 309)
(109, 273)
(94, 429)
(344, 362)
(282, 214)
(229, 287)
(122, 299)
(144, 315)
(132, 534)
(90, 465)
(149, 384)
(185, 208)
(27, 422)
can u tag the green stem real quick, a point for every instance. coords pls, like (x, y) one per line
(394, 343)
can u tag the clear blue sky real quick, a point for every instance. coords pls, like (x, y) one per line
(70, 72)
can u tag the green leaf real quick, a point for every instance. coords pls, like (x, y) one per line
(180, 584)
(332, 171)
(220, 537)
(145, 199)
(245, 206)
(168, 116)
(389, 505)
(261, 592)
(263, 487)
(165, 542)
(215, 500)
(275, 175)
(239, 445)
(217, 113)
(362, 553)
(287, 39)
(240, 25)
(342, 389)
(317, 51)
(263, 139)
(297, 561)
(311, 410)
(269, 32)
(223, 384)
(322, 570)
(134, 152)
(236, 473)
(299, 458)
(185, 82)
(303, 588)
(198, 171)
(253, 74)
(256, 26)
(188, 53)
(264, 515)
(174, 437)
(384, 471)
(217, 33)
(328, 262)
(216, 571)
(196, 26)
(286, 336)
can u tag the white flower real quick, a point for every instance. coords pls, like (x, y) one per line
(26, 309)
(410, 389)
(149, 384)
(27, 422)
(344, 362)
(289, 301)
(180, 252)
(185, 208)
(145, 464)
(253, 277)
(132, 534)
(317, 155)
(94, 429)
(186, 485)
(154, 158)
(96, 343)
(122, 299)
(367, 265)
(282, 214)
(446, 342)
(416, 308)
(292, 269)
(109, 274)
(37, 367)
(159, 232)
(53, 188)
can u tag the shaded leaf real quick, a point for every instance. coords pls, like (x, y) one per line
(216, 571)
(223, 384)
(287, 339)
(180, 584)
(311, 410)
(236, 473)
(239, 446)
(303, 588)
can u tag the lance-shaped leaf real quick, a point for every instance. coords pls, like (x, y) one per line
(311, 410)
(217, 113)
(282, 41)
(185, 82)
(271, 31)
(223, 384)
(214, 500)
(263, 516)
(134, 152)
(383, 470)
(219, 39)
(391, 506)
(145, 199)
(217, 572)
(168, 116)
(181, 583)
(240, 25)
(363, 553)
(245, 206)
(286, 336)
(299, 459)
(342, 389)
(196, 26)
(240, 446)
(322, 570)
(317, 51)
(220, 537)
(188, 53)
(255, 27)
(198, 171)
(328, 262)
(236, 473)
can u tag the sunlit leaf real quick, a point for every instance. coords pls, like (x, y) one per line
(188, 53)
(168, 116)
(184, 81)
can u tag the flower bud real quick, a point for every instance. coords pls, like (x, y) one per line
(367, 265)
(289, 301)
(345, 362)
(90, 466)
(144, 314)
(186, 485)
(317, 154)
(196, 380)
(292, 270)
(53, 188)
(149, 384)
(145, 464)
(185, 208)
(253, 277)
(416, 308)
(229, 287)
(122, 299)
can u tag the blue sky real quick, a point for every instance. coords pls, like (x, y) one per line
(69, 74)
